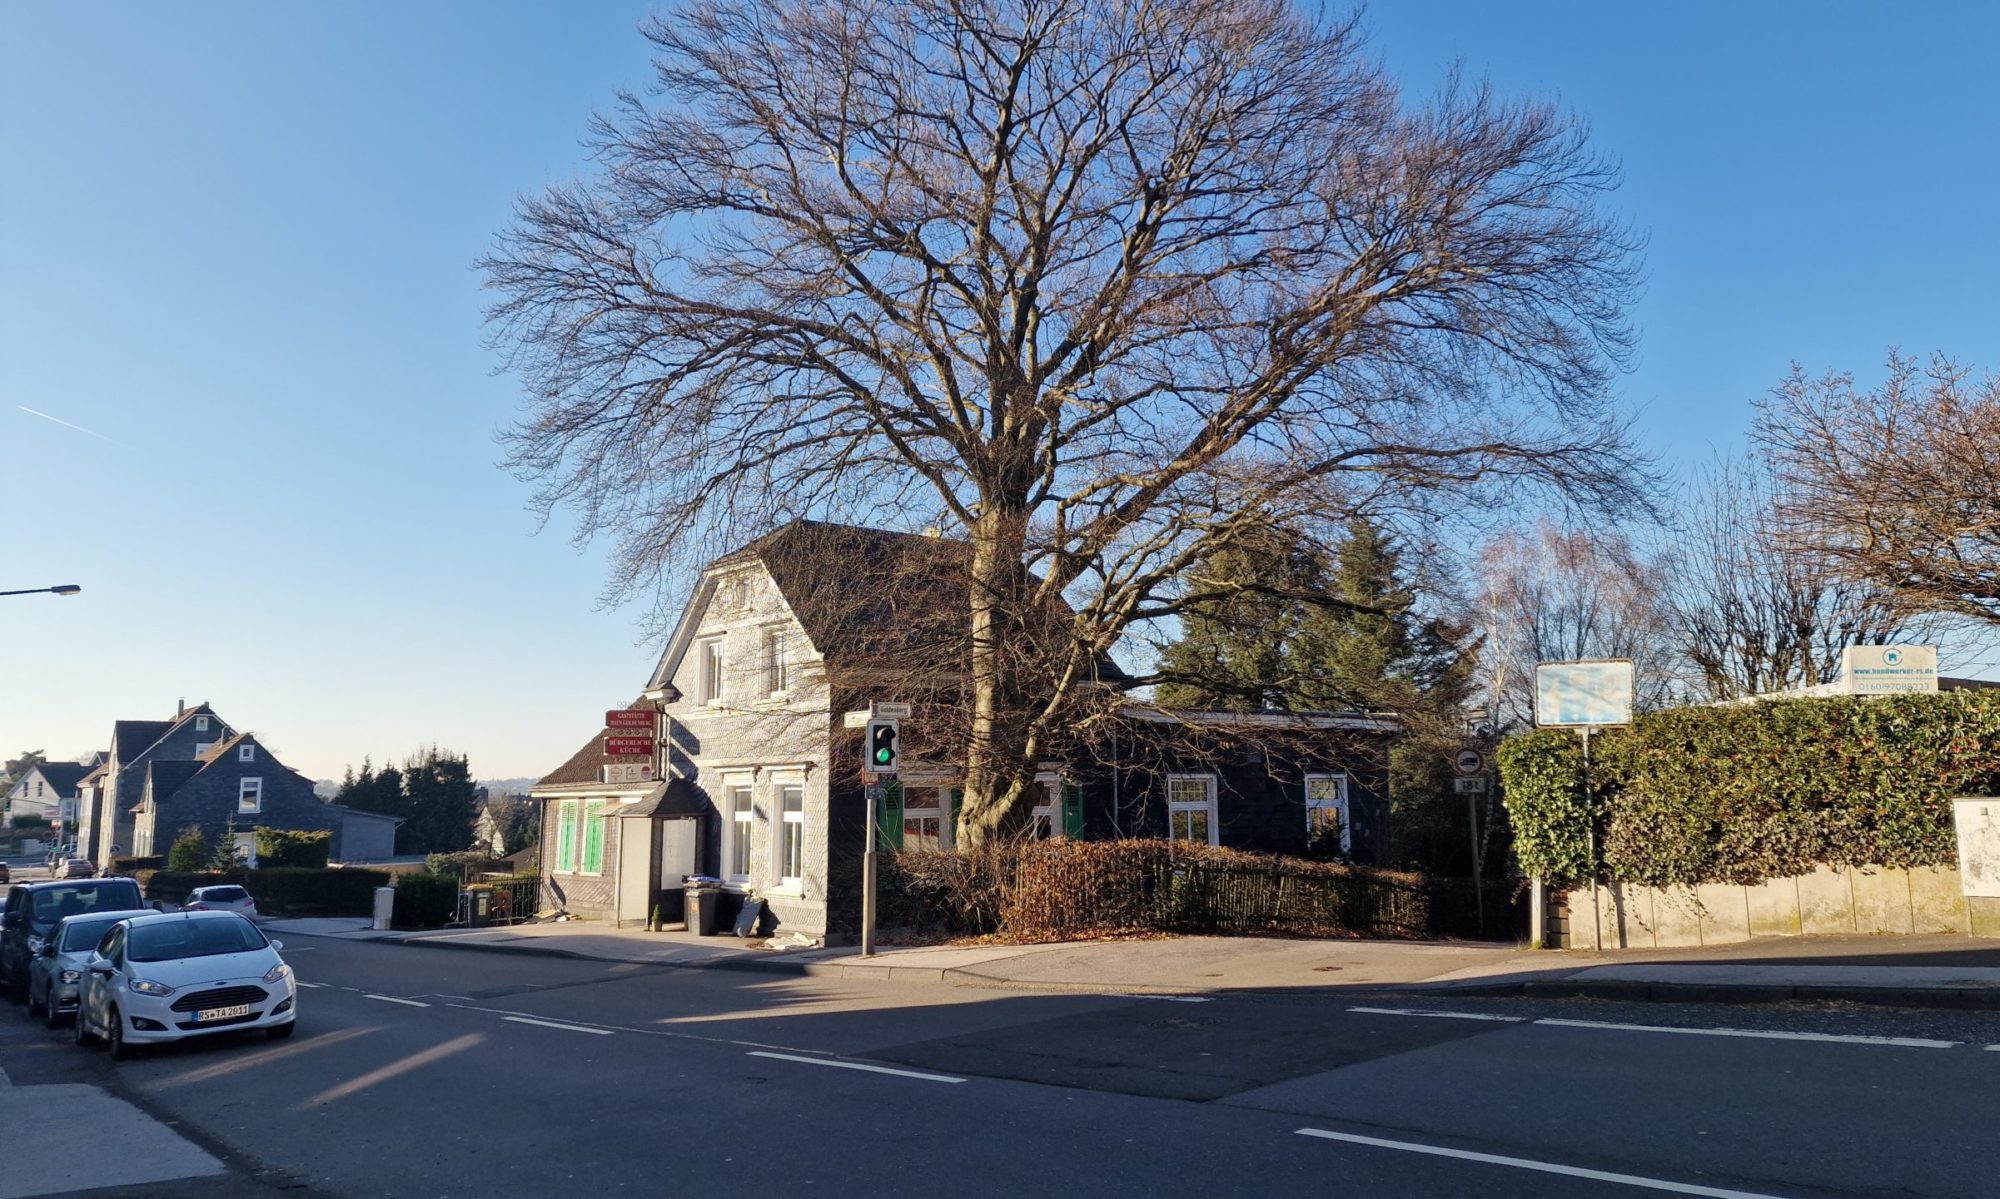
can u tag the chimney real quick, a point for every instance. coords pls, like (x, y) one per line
(181, 709)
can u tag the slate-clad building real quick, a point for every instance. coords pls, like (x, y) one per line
(781, 638)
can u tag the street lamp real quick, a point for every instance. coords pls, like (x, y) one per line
(64, 589)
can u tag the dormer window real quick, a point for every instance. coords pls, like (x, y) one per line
(246, 753)
(201, 724)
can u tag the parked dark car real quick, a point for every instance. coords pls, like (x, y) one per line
(33, 910)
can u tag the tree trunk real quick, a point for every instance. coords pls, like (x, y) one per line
(999, 770)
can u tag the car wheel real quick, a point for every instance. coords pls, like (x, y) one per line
(50, 1016)
(34, 1009)
(84, 1038)
(120, 1051)
(278, 1032)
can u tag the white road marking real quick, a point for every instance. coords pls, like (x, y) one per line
(393, 999)
(595, 1032)
(1410, 1011)
(1994, 1048)
(1522, 1163)
(1765, 1035)
(302, 982)
(1165, 998)
(823, 1061)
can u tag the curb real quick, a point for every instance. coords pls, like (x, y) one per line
(1960, 998)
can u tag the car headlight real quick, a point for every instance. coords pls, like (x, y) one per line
(70, 976)
(146, 986)
(278, 973)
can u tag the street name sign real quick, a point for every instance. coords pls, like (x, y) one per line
(1583, 694)
(1889, 669)
(636, 720)
(628, 747)
(889, 711)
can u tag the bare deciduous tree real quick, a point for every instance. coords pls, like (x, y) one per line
(1556, 595)
(1898, 487)
(1104, 284)
(1752, 613)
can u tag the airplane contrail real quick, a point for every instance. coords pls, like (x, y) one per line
(65, 424)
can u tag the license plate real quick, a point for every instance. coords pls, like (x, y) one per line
(222, 1013)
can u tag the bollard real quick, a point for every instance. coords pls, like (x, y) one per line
(385, 906)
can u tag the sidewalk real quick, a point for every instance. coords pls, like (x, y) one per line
(1939, 971)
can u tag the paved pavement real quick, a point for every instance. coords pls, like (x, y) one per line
(446, 1074)
(1906, 971)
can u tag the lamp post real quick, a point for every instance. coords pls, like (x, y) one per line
(64, 589)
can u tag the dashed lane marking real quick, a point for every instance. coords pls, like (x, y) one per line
(1410, 1011)
(595, 1032)
(1522, 1163)
(827, 1061)
(315, 986)
(394, 999)
(1760, 1034)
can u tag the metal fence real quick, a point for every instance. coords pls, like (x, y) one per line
(498, 899)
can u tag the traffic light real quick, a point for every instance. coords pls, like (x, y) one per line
(881, 747)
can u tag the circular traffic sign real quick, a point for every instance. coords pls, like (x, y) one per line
(1468, 762)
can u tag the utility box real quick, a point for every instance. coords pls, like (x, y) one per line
(1978, 821)
(478, 907)
(385, 907)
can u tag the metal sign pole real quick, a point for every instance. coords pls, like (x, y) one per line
(1478, 883)
(1590, 825)
(868, 876)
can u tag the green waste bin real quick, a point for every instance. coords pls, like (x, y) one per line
(479, 912)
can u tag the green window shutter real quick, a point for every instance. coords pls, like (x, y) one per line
(593, 837)
(566, 836)
(1072, 805)
(889, 817)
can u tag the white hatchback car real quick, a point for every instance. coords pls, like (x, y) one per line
(166, 976)
(220, 899)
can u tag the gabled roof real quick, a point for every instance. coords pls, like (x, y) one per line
(866, 597)
(62, 776)
(97, 772)
(221, 748)
(583, 765)
(166, 777)
(130, 738)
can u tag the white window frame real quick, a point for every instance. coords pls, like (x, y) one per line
(780, 820)
(246, 753)
(777, 662)
(938, 808)
(250, 791)
(737, 825)
(1205, 805)
(1339, 803)
(709, 656)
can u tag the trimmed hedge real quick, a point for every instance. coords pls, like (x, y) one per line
(1750, 792)
(172, 886)
(307, 849)
(279, 891)
(425, 900)
(132, 866)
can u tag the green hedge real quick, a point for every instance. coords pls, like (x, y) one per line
(1749, 792)
(293, 847)
(297, 891)
(172, 886)
(425, 900)
(128, 867)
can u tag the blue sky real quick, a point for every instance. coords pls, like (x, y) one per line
(235, 241)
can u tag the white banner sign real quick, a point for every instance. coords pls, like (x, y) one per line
(1576, 694)
(1889, 669)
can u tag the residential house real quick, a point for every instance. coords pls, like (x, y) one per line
(105, 824)
(781, 638)
(47, 790)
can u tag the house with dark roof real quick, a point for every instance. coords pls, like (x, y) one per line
(757, 777)
(105, 824)
(48, 789)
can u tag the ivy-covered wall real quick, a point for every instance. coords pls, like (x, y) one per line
(1745, 793)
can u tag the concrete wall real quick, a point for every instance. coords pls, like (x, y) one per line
(1827, 902)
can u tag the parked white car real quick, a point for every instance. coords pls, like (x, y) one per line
(172, 975)
(220, 899)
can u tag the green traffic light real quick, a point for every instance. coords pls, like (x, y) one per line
(881, 755)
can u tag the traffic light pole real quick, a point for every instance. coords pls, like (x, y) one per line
(868, 874)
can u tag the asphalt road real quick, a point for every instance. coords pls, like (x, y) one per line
(432, 1072)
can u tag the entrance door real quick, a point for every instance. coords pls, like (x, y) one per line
(635, 870)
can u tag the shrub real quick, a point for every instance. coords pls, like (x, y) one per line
(130, 867)
(305, 848)
(28, 821)
(306, 891)
(172, 886)
(425, 900)
(1750, 792)
(461, 865)
(189, 852)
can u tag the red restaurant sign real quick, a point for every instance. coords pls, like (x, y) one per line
(636, 719)
(628, 747)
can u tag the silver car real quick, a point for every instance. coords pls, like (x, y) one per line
(55, 974)
(220, 899)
